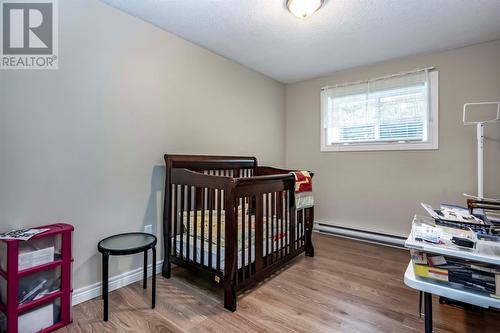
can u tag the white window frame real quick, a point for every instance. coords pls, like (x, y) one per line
(433, 127)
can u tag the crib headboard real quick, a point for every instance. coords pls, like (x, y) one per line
(231, 166)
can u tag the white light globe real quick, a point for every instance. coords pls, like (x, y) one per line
(303, 8)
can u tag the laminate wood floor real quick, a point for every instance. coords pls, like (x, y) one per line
(349, 286)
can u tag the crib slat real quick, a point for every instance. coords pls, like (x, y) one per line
(243, 217)
(195, 225)
(279, 213)
(301, 228)
(188, 222)
(297, 240)
(273, 224)
(281, 223)
(297, 235)
(175, 215)
(287, 221)
(181, 252)
(210, 229)
(202, 244)
(219, 210)
(259, 231)
(291, 212)
(267, 229)
(279, 245)
(249, 248)
(304, 218)
(309, 213)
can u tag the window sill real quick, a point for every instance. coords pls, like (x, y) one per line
(379, 147)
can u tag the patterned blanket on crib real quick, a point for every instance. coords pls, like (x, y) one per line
(303, 190)
(198, 216)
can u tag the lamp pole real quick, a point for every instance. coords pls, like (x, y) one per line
(480, 160)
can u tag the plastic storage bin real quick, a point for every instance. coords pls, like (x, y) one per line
(40, 318)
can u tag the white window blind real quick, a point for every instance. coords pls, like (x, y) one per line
(388, 110)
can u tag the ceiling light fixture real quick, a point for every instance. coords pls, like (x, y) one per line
(303, 8)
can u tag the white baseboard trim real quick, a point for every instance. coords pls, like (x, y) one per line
(365, 236)
(83, 294)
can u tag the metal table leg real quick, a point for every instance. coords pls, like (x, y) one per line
(105, 264)
(153, 279)
(420, 294)
(145, 269)
(428, 312)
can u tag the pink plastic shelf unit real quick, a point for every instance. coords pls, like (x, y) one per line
(62, 263)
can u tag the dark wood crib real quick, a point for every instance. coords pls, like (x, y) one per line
(231, 219)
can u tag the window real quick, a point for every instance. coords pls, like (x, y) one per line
(399, 112)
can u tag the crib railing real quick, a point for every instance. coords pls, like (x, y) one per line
(266, 233)
(200, 209)
(197, 215)
(194, 217)
(271, 220)
(263, 210)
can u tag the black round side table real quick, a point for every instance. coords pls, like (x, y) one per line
(123, 244)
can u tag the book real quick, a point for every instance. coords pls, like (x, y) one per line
(431, 272)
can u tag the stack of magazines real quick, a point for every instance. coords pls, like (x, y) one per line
(460, 273)
(458, 217)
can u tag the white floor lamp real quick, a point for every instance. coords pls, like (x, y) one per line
(480, 140)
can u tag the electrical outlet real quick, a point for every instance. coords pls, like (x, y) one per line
(148, 229)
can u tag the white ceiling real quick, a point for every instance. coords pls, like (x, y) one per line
(264, 36)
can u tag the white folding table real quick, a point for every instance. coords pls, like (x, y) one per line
(430, 287)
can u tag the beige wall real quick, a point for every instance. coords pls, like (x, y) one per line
(380, 191)
(84, 144)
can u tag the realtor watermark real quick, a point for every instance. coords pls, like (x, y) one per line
(29, 35)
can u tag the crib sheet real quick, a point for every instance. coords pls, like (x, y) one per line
(222, 251)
